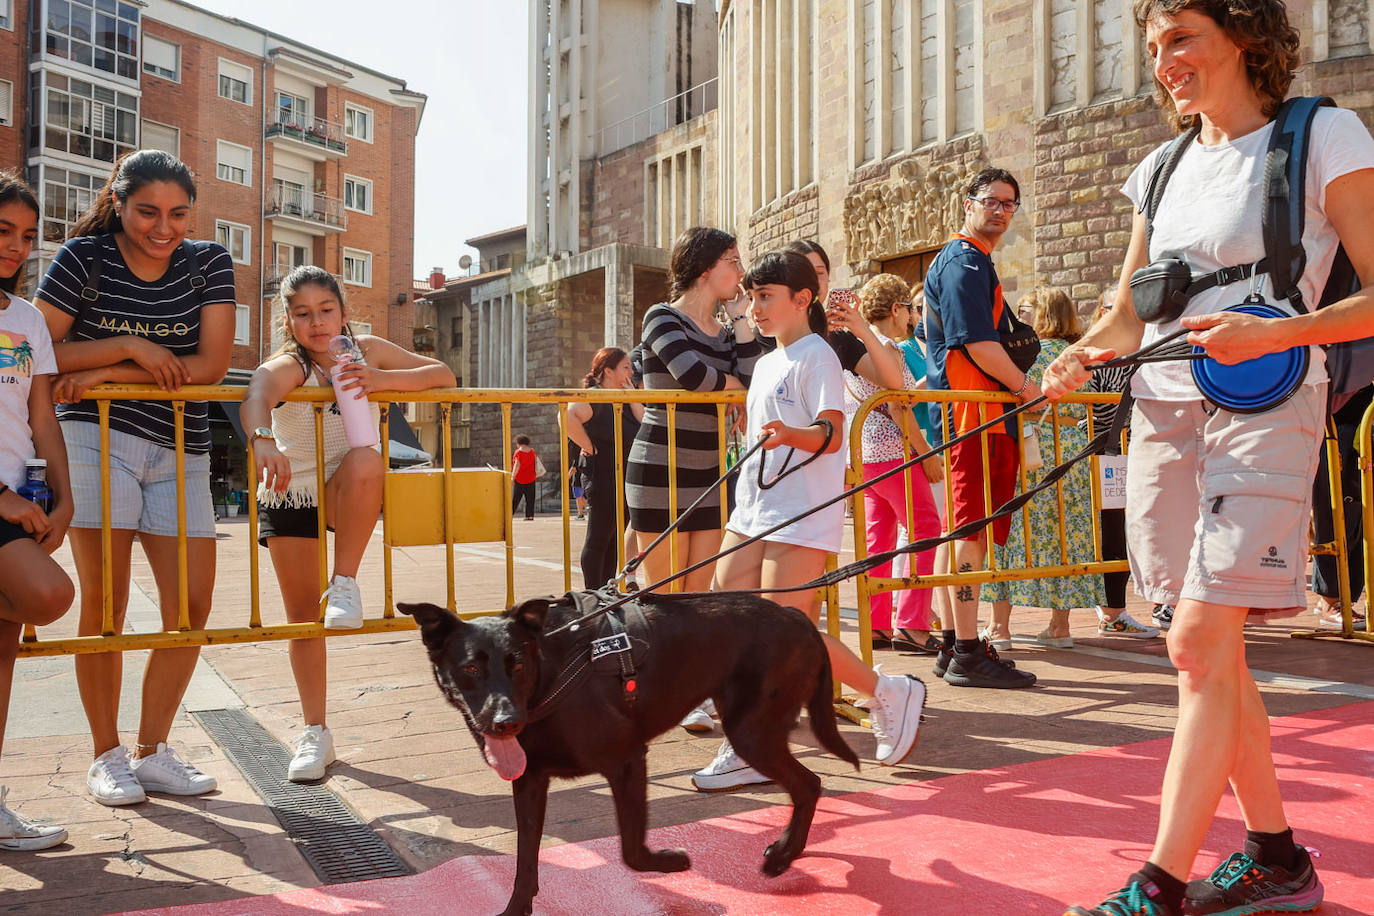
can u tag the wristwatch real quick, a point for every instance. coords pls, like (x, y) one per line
(262, 432)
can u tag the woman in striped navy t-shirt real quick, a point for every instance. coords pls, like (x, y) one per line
(153, 310)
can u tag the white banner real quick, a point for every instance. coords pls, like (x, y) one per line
(1111, 481)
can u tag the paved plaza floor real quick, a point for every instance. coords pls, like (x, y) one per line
(1058, 783)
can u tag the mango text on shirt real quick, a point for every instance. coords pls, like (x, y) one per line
(143, 328)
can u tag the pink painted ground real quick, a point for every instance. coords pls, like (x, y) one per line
(1026, 839)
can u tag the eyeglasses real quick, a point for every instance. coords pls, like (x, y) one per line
(992, 204)
(904, 305)
(738, 262)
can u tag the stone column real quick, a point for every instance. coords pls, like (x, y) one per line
(620, 299)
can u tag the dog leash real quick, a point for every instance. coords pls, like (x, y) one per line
(1157, 351)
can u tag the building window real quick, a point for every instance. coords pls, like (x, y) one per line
(66, 195)
(1087, 52)
(161, 58)
(6, 8)
(500, 343)
(100, 34)
(242, 322)
(235, 82)
(358, 122)
(293, 110)
(237, 238)
(358, 194)
(89, 120)
(782, 107)
(455, 340)
(6, 103)
(1346, 31)
(360, 327)
(233, 163)
(161, 136)
(673, 196)
(357, 267)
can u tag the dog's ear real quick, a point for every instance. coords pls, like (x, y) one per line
(436, 623)
(531, 613)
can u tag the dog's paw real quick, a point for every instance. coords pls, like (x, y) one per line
(776, 859)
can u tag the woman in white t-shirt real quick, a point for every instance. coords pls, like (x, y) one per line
(796, 392)
(33, 588)
(1242, 482)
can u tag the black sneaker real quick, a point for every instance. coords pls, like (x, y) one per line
(1163, 616)
(1242, 885)
(985, 669)
(1135, 899)
(942, 657)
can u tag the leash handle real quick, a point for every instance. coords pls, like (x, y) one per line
(829, 435)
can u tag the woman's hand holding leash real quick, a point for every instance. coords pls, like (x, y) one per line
(1233, 337)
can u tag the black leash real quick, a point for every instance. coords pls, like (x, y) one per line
(1158, 351)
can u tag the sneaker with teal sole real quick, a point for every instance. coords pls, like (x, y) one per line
(1135, 899)
(1241, 886)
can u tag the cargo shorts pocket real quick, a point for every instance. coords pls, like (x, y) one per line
(1253, 531)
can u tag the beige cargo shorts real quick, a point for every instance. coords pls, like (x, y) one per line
(1218, 503)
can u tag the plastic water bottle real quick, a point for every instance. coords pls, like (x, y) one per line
(35, 485)
(359, 428)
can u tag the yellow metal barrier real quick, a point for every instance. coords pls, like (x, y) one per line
(902, 401)
(451, 506)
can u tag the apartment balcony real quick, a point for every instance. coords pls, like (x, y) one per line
(314, 138)
(313, 213)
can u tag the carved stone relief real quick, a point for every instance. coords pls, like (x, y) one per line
(911, 210)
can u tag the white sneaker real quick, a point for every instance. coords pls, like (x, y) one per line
(111, 779)
(165, 771)
(895, 709)
(1123, 625)
(728, 771)
(344, 609)
(19, 833)
(698, 720)
(314, 752)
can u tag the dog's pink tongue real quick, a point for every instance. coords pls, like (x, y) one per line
(505, 755)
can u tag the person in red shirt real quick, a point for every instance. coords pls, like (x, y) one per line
(523, 475)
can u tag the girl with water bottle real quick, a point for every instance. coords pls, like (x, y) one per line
(320, 351)
(33, 588)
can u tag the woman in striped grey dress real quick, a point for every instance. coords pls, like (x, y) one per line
(686, 346)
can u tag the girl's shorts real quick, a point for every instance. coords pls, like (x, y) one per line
(287, 522)
(143, 483)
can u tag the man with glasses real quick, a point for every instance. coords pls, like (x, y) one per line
(964, 310)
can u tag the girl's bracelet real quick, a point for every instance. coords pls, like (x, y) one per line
(1025, 383)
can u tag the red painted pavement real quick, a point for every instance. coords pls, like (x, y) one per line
(1024, 839)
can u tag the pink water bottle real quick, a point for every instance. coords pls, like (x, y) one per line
(359, 427)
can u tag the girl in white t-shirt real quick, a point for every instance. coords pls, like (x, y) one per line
(796, 392)
(33, 588)
(283, 435)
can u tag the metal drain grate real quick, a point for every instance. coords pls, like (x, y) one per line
(338, 846)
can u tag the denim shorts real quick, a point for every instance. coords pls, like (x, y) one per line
(143, 483)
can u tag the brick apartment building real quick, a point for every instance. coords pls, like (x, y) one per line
(300, 156)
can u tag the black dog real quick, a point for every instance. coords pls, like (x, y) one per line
(758, 661)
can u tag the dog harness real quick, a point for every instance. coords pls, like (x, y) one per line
(619, 639)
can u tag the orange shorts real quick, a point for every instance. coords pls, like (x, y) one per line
(967, 475)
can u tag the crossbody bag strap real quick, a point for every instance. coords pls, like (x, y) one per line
(91, 290)
(1154, 191)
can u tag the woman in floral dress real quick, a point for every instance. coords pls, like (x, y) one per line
(1052, 314)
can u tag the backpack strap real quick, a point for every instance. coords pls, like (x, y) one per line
(197, 278)
(1154, 191)
(91, 291)
(1285, 179)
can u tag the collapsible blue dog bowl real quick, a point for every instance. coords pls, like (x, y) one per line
(1255, 385)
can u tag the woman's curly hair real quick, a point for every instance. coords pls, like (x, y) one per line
(1260, 28)
(880, 294)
